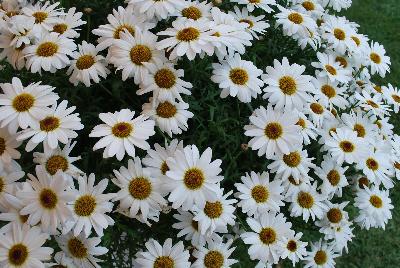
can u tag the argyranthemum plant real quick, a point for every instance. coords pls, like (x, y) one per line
(289, 168)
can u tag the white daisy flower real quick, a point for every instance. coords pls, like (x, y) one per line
(46, 15)
(49, 53)
(329, 93)
(327, 66)
(310, 7)
(375, 207)
(23, 31)
(155, 9)
(362, 124)
(345, 146)
(62, 260)
(215, 254)
(308, 130)
(122, 19)
(165, 82)
(293, 248)
(90, 207)
(308, 203)
(193, 177)
(11, 214)
(121, 133)
(237, 77)
(322, 255)
(337, 5)
(295, 23)
(265, 236)
(170, 117)
(139, 191)
(332, 176)
(57, 159)
(273, 131)
(295, 163)
(216, 215)
(392, 96)
(376, 168)
(24, 106)
(166, 255)
(14, 56)
(45, 200)
(57, 126)
(8, 187)
(317, 112)
(83, 251)
(256, 25)
(378, 61)
(338, 34)
(373, 104)
(258, 194)
(86, 65)
(69, 23)
(23, 247)
(286, 85)
(8, 146)
(262, 4)
(187, 37)
(194, 9)
(128, 53)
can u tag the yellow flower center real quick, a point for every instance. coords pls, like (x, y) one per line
(305, 200)
(166, 110)
(339, 34)
(47, 49)
(77, 249)
(254, 1)
(372, 164)
(85, 205)
(164, 168)
(273, 130)
(396, 165)
(2, 184)
(334, 215)
(347, 146)
(191, 13)
(301, 123)
(292, 159)
(164, 262)
(333, 177)
(195, 225)
(375, 58)
(360, 129)
(342, 61)
(260, 193)
(363, 182)
(140, 188)
(317, 108)
(23, 102)
(165, 78)
(330, 69)
(48, 199)
(56, 163)
(328, 91)
(122, 28)
(293, 181)
(356, 40)
(396, 98)
(85, 62)
(213, 209)
(308, 5)
(122, 130)
(2, 146)
(287, 85)
(320, 257)
(239, 76)
(40, 16)
(249, 22)
(188, 34)
(372, 104)
(193, 178)
(50, 123)
(295, 17)
(139, 54)
(213, 259)
(267, 236)
(291, 246)
(60, 28)
(18, 254)
(376, 201)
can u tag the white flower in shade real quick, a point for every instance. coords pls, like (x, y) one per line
(14, 56)
(83, 251)
(170, 117)
(139, 191)
(166, 255)
(322, 255)
(329, 93)
(265, 236)
(22, 29)
(23, 247)
(156, 161)
(373, 104)
(362, 124)
(337, 33)
(307, 202)
(273, 131)
(345, 146)
(49, 53)
(237, 77)
(286, 86)
(377, 168)
(215, 254)
(69, 24)
(295, 164)
(295, 23)
(216, 215)
(86, 65)
(337, 5)
(11, 213)
(57, 126)
(312, 39)
(256, 25)
(308, 130)
(155, 9)
(262, 4)
(317, 112)
(378, 61)
(293, 248)
(46, 15)
(129, 53)
(165, 82)
(45, 200)
(258, 194)
(57, 159)
(122, 19)
(332, 176)
(8, 187)
(90, 207)
(193, 178)
(24, 106)
(392, 96)
(190, 228)
(62, 260)
(374, 207)
(122, 132)
(194, 9)
(187, 37)
(327, 66)
(8, 146)
(153, 215)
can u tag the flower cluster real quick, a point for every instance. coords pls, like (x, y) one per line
(323, 128)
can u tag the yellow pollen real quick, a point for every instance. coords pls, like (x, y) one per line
(375, 58)
(23, 102)
(77, 249)
(193, 178)
(308, 5)
(396, 98)
(372, 104)
(239, 76)
(47, 49)
(2, 146)
(2, 184)
(376, 201)
(328, 91)
(291, 246)
(334, 215)
(48, 199)
(213, 259)
(305, 200)
(339, 34)
(342, 61)
(166, 110)
(213, 209)
(378, 89)
(260, 193)
(60, 28)
(267, 236)
(191, 13)
(372, 164)
(188, 34)
(195, 225)
(330, 69)
(317, 108)
(363, 182)
(164, 262)
(356, 40)
(396, 165)
(249, 22)
(287, 85)
(360, 129)
(85, 62)
(40, 16)
(295, 17)
(254, 1)
(273, 130)
(56, 163)
(301, 123)
(49, 123)
(333, 177)
(17, 255)
(122, 28)
(122, 130)
(140, 54)
(292, 159)
(165, 78)
(140, 188)
(320, 257)
(85, 205)
(164, 168)
(347, 146)
(293, 181)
